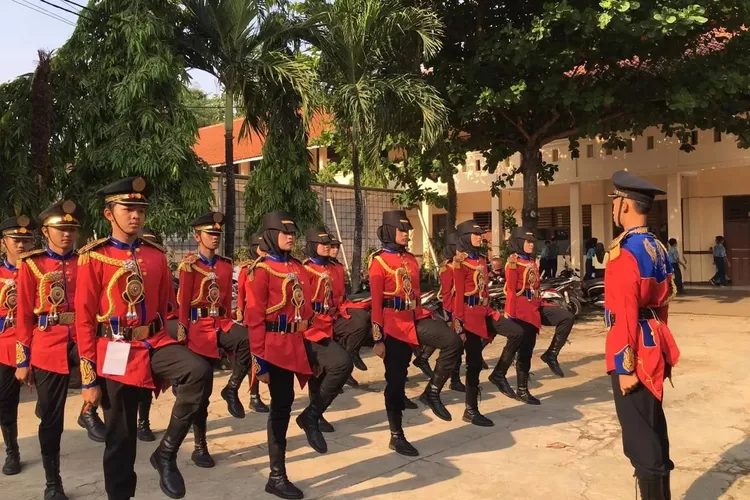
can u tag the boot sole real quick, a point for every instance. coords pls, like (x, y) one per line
(234, 414)
(559, 373)
(272, 491)
(471, 421)
(91, 436)
(423, 399)
(161, 482)
(11, 472)
(511, 395)
(307, 436)
(149, 439)
(259, 410)
(204, 466)
(404, 453)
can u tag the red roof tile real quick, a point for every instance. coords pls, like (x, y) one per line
(210, 144)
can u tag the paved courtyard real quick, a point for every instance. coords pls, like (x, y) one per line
(568, 448)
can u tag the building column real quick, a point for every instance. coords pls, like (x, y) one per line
(674, 209)
(427, 229)
(576, 225)
(497, 224)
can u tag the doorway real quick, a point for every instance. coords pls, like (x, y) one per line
(737, 237)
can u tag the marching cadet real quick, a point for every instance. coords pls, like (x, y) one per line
(352, 328)
(640, 348)
(335, 363)
(277, 316)
(17, 239)
(472, 317)
(399, 324)
(122, 300)
(256, 252)
(524, 306)
(45, 322)
(205, 298)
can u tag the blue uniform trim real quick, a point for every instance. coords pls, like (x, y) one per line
(283, 322)
(624, 361)
(57, 256)
(2, 324)
(7, 265)
(654, 266)
(608, 318)
(24, 360)
(279, 258)
(122, 245)
(260, 364)
(647, 333)
(209, 262)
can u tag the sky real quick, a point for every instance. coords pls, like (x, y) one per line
(25, 31)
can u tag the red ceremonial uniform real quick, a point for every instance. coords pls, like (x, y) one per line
(205, 301)
(522, 298)
(447, 290)
(321, 279)
(638, 286)
(396, 298)
(278, 314)
(244, 267)
(46, 320)
(471, 300)
(8, 302)
(109, 300)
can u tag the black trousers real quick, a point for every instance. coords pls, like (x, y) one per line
(473, 348)
(337, 366)
(120, 404)
(355, 332)
(235, 341)
(10, 394)
(526, 347)
(52, 391)
(281, 387)
(560, 318)
(644, 430)
(430, 332)
(678, 278)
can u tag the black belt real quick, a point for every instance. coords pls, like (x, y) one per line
(197, 313)
(319, 307)
(644, 314)
(475, 300)
(129, 333)
(399, 304)
(286, 327)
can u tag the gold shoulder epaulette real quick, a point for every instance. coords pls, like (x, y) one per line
(512, 261)
(150, 243)
(614, 247)
(31, 253)
(244, 263)
(372, 256)
(186, 265)
(458, 259)
(225, 259)
(92, 245)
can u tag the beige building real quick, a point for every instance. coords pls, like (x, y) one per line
(708, 194)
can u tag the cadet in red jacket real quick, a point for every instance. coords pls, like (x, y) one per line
(334, 362)
(256, 252)
(45, 326)
(472, 316)
(17, 238)
(523, 305)
(399, 324)
(640, 349)
(277, 316)
(205, 298)
(122, 301)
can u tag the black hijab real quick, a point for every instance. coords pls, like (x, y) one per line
(517, 239)
(387, 235)
(449, 250)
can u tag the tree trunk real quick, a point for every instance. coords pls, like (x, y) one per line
(359, 219)
(531, 162)
(450, 180)
(230, 195)
(41, 126)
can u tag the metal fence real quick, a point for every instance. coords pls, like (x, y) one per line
(335, 205)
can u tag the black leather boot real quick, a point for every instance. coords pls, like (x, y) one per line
(398, 442)
(651, 488)
(351, 382)
(423, 364)
(144, 424)
(471, 414)
(456, 384)
(230, 393)
(54, 488)
(174, 388)
(523, 389)
(201, 457)
(550, 355)
(12, 464)
(89, 420)
(359, 364)
(325, 426)
(257, 404)
(278, 483)
(308, 422)
(164, 458)
(431, 395)
(666, 487)
(497, 376)
(409, 404)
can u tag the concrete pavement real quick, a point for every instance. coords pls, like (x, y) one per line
(568, 448)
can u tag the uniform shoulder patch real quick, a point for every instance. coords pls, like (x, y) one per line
(244, 263)
(190, 259)
(460, 257)
(93, 245)
(31, 253)
(150, 243)
(512, 261)
(372, 256)
(225, 259)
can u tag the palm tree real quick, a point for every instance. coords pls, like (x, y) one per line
(242, 43)
(370, 55)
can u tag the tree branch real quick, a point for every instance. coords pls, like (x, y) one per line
(544, 128)
(574, 130)
(516, 124)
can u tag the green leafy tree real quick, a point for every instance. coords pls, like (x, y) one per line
(238, 41)
(207, 109)
(370, 51)
(123, 92)
(519, 75)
